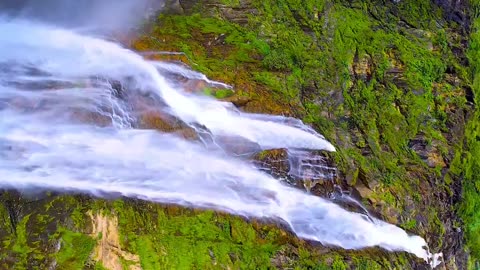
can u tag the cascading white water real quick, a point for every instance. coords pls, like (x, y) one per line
(51, 78)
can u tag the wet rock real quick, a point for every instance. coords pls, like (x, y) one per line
(89, 117)
(308, 170)
(237, 145)
(195, 86)
(150, 115)
(324, 189)
(314, 171)
(239, 101)
(274, 162)
(166, 123)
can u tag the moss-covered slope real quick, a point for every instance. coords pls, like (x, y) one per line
(387, 81)
(392, 84)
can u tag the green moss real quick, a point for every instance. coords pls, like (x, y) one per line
(99, 266)
(409, 225)
(232, 3)
(468, 164)
(218, 93)
(165, 237)
(75, 249)
(223, 93)
(378, 70)
(371, 77)
(149, 257)
(189, 239)
(171, 237)
(21, 247)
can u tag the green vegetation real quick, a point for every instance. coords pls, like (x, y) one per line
(167, 237)
(303, 56)
(189, 240)
(99, 266)
(21, 247)
(467, 160)
(75, 249)
(218, 93)
(385, 82)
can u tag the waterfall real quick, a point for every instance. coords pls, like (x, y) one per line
(70, 106)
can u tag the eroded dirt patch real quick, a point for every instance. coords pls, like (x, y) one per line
(108, 250)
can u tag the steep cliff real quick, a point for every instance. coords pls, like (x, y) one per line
(387, 81)
(393, 84)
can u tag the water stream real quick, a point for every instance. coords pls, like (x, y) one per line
(69, 110)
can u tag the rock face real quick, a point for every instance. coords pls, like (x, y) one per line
(235, 11)
(387, 82)
(383, 81)
(455, 10)
(306, 170)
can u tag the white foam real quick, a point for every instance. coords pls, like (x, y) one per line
(41, 147)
